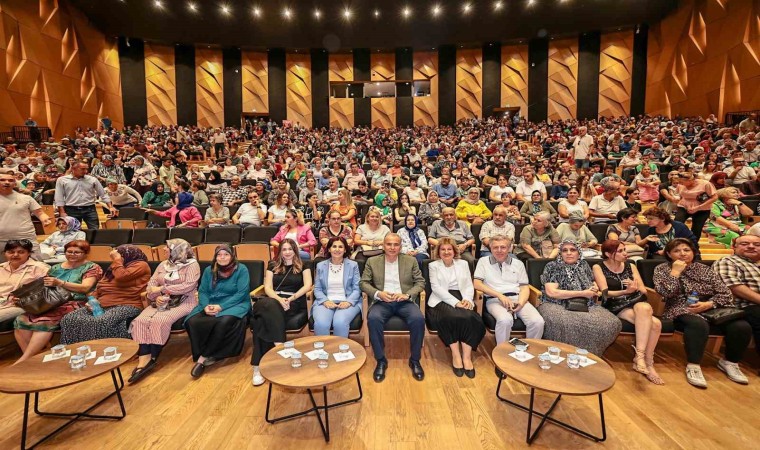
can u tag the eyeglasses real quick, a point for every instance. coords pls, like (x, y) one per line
(69, 252)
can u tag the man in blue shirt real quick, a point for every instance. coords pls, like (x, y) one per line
(446, 191)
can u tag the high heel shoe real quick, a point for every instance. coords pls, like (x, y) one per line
(653, 376)
(639, 363)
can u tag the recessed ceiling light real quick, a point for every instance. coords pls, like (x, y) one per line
(158, 3)
(347, 13)
(377, 13)
(192, 6)
(225, 9)
(467, 8)
(257, 11)
(531, 3)
(436, 10)
(498, 5)
(406, 12)
(287, 13)
(317, 13)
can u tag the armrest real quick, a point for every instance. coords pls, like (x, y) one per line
(258, 291)
(534, 296)
(423, 300)
(751, 220)
(309, 301)
(144, 299)
(656, 300)
(478, 300)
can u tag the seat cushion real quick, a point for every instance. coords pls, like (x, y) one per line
(297, 321)
(490, 322)
(179, 325)
(6, 325)
(355, 325)
(396, 323)
(667, 326)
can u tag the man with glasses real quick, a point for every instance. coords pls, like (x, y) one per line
(740, 173)
(76, 194)
(16, 211)
(251, 213)
(498, 226)
(234, 194)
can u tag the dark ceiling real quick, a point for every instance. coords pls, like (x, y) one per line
(174, 21)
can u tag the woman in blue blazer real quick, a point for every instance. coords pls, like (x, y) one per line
(337, 297)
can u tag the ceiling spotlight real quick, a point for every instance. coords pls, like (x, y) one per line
(467, 8)
(498, 5)
(256, 11)
(531, 3)
(192, 6)
(287, 13)
(377, 13)
(225, 9)
(317, 14)
(347, 13)
(158, 3)
(436, 10)
(406, 12)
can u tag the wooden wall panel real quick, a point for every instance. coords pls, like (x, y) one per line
(160, 84)
(298, 89)
(383, 68)
(469, 83)
(340, 67)
(615, 70)
(255, 82)
(56, 68)
(425, 66)
(514, 77)
(705, 59)
(209, 86)
(563, 79)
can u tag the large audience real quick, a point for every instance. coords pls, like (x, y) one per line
(481, 199)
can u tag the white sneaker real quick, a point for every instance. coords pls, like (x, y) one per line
(733, 371)
(694, 376)
(257, 379)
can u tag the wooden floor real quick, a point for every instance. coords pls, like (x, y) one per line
(170, 410)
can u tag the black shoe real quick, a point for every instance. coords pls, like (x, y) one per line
(417, 371)
(470, 373)
(458, 371)
(379, 374)
(499, 374)
(197, 370)
(140, 372)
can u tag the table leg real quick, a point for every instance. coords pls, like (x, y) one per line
(75, 415)
(530, 437)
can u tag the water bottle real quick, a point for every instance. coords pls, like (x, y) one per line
(97, 310)
(692, 298)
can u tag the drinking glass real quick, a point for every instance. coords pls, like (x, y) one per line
(83, 351)
(554, 352)
(582, 355)
(290, 344)
(573, 361)
(319, 345)
(521, 349)
(343, 348)
(77, 362)
(295, 360)
(323, 360)
(544, 361)
(58, 351)
(109, 354)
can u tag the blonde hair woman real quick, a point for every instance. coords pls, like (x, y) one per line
(369, 235)
(345, 206)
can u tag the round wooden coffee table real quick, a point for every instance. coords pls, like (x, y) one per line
(34, 376)
(560, 379)
(278, 370)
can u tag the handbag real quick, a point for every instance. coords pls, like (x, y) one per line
(634, 250)
(35, 298)
(619, 303)
(370, 253)
(174, 301)
(577, 304)
(720, 316)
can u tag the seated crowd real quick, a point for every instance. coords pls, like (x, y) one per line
(472, 205)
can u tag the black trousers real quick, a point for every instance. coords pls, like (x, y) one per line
(215, 337)
(696, 331)
(753, 318)
(268, 324)
(698, 220)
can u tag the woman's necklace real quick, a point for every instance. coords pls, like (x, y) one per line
(335, 268)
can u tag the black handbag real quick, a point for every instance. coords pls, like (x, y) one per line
(720, 316)
(35, 298)
(619, 303)
(577, 304)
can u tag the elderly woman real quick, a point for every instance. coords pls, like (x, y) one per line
(76, 275)
(216, 326)
(570, 204)
(726, 217)
(452, 308)
(334, 228)
(626, 231)
(17, 270)
(647, 183)
(677, 280)
(286, 282)
(156, 197)
(624, 295)
(171, 294)
(144, 177)
(536, 205)
(576, 230)
(569, 279)
(431, 210)
(118, 292)
(68, 230)
(413, 239)
(337, 297)
(539, 239)
(217, 215)
(182, 215)
(472, 208)
(296, 230)
(663, 229)
(369, 236)
(512, 212)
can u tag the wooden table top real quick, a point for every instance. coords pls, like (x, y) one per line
(560, 379)
(33, 375)
(278, 370)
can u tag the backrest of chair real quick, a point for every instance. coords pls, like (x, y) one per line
(233, 209)
(112, 237)
(203, 266)
(194, 236)
(646, 270)
(100, 253)
(153, 265)
(255, 272)
(599, 230)
(518, 229)
(752, 204)
(132, 213)
(126, 224)
(150, 236)
(227, 235)
(160, 222)
(426, 274)
(148, 250)
(643, 229)
(475, 230)
(89, 235)
(104, 265)
(205, 252)
(202, 210)
(259, 234)
(253, 251)
(535, 268)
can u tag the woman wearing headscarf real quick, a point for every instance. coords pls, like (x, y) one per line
(431, 210)
(155, 197)
(145, 175)
(382, 204)
(118, 293)
(216, 326)
(568, 278)
(183, 214)
(536, 205)
(472, 209)
(170, 296)
(68, 230)
(413, 239)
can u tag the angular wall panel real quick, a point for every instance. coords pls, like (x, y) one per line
(563, 79)
(383, 68)
(469, 90)
(56, 68)
(425, 66)
(209, 86)
(298, 89)
(705, 59)
(160, 84)
(514, 77)
(255, 82)
(615, 70)
(341, 68)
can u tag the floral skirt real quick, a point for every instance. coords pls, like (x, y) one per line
(50, 321)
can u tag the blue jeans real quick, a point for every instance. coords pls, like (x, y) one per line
(581, 163)
(381, 312)
(85, 214)
(340, 319)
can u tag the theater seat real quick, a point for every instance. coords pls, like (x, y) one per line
(179, 325)
(6, 326)
(296, 323)
(395, 324)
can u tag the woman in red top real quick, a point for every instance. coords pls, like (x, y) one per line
(697, 197)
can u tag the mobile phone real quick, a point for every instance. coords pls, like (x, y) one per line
(515, 342)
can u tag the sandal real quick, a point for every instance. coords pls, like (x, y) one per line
(639, 363)
(653, 376)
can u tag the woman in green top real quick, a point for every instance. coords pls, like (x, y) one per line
(156, 197)
(216, 326)
(726, 217)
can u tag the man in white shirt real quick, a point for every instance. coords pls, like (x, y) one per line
(504, 283)
(258, 172)
(605, 206)
(352, 179)
(218, 139)
(581, 145)
(498, 226)
(251, 213)
(740, 172)
(393, 283)
(529, 184)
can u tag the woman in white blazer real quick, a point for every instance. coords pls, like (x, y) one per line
(452, 309)
(337, 297)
